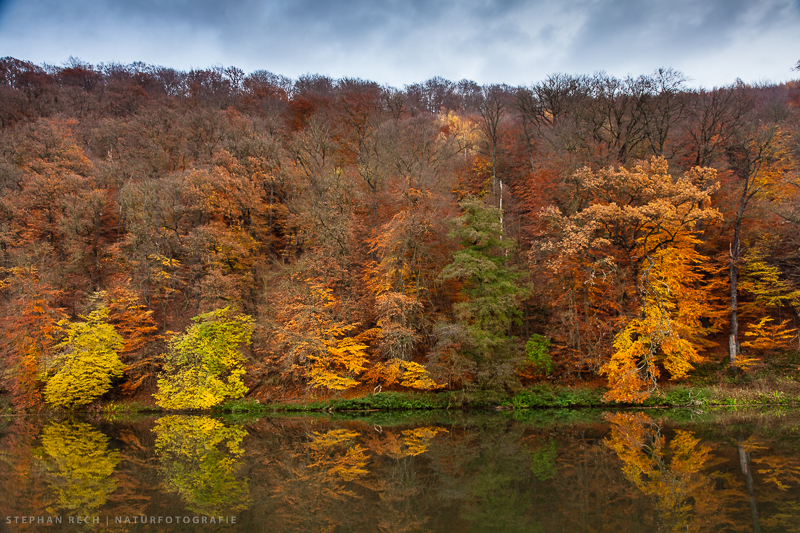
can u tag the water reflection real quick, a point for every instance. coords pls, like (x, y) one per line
(77, 466)
(629, 472)
(200, 458)
(676, 473)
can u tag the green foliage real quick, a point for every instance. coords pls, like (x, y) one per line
(204, 366)
(243, 405)
(382, 400)
(200, 457)
(538, 351)
(86, 363)
(78, 466)
(679, 395)
(491, 294)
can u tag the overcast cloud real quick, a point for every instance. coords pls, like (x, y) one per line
(401, 42)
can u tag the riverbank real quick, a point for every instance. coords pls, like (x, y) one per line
(536, 397)
(542, 396)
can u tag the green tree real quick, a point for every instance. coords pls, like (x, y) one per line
(490, 293)
(204, 366)
(86, 362)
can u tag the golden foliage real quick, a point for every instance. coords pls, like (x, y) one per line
(670, 330)
(86, 363)
(765, 336)
(323, 349)
(640, 224)
(404, 373)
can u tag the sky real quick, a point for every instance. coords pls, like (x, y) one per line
(400, 42)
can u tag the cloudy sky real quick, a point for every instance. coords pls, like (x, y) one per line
(399, 42)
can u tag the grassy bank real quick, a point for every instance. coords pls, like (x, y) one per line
(536, 397)
(543, 396)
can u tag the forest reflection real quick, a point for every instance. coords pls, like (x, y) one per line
(526, 471)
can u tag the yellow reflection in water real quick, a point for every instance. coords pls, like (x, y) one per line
(78, 466)
(200, 457)
(674, 474)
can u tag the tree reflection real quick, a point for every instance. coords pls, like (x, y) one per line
(200, 457)
(673, 474)
(780, 471)
(402, 488)
(331, 467)
(315, 478)
(78, 466)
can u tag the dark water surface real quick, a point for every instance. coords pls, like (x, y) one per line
(562, 471)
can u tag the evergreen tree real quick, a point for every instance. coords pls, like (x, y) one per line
(491, 294)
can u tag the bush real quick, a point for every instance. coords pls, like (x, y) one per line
(538, 353)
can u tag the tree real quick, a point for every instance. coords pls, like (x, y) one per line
(134, 322)
(29, 332)
(86, 363)
(204, 366)
(317, 345)
(640, 231)
(492, 105)
(490, 294)
(670, 325)
(758, 162)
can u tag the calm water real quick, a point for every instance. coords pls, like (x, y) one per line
(534, 471)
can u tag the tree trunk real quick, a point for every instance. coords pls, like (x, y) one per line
(736, 252)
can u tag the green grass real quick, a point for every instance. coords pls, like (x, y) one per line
(550, 396)
(380, 401)
(768, 389)
(241, 406)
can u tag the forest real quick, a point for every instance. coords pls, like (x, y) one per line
(195, 237)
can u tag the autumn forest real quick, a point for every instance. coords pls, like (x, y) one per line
(194, 237)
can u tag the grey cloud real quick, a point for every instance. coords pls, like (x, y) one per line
(395, 41)
(639, 28)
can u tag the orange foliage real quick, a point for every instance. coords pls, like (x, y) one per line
(28, 333)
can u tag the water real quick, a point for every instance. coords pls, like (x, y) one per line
(533, 471)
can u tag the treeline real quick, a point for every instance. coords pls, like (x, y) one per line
(329, 234)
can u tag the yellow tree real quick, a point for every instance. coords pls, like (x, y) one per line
(768, 290)
(676, 304)
(204, 366)
(86, 362)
